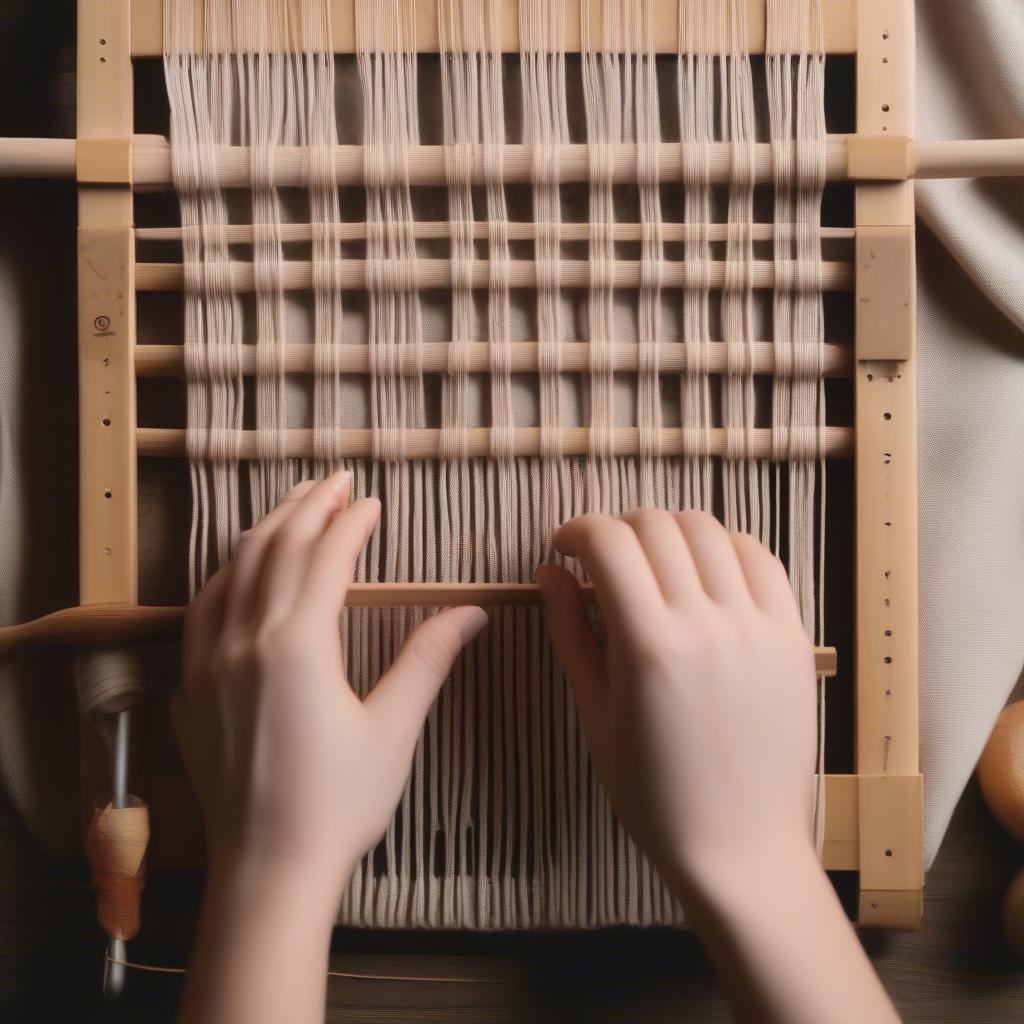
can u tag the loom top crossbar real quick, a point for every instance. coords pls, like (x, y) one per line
(839, 27)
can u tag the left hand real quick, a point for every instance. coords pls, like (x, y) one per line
(291, 768)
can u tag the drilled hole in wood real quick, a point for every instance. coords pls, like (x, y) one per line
(103, 42)
(885, 35)
(871, 376)
(874, 904)
(888, 853)
(885, 60)
(103, 60)
(886, 415)
(885, 108)
(888, 693)
(106, 421)
(888, 632)
(108, 493)
(107, 551)
(887, 659)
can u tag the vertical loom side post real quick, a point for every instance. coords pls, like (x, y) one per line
(888, 767)
(108, 544)
(108, 555)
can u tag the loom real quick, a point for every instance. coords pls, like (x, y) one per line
(869, 820)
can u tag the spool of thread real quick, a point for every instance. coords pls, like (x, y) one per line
(116, 849)
(1001, 774)
(1001, 770)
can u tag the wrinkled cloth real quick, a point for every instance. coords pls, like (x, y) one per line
(970, 78)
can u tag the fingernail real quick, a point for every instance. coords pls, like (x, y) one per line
(472, 625)
(341, 480)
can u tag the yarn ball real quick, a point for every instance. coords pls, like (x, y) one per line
(1013, 915)
(1001, 772)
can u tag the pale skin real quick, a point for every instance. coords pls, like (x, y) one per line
(698, 707)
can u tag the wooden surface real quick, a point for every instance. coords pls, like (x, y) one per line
(955, 969)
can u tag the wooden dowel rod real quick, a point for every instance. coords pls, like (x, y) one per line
(425, 443)
(476, 357)
(568, 231)
(981, 158)
(151, 162)
(425, 273)
(102, 625)
(37, 158)
(428, 164)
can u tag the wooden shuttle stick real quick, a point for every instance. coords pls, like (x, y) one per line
(102, 625)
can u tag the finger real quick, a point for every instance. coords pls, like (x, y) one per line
(714, 558)
(250, 550)
(668, 555)
(289, 552)
(610, 551)
(204, 618)
(403, 696)
(574, 642)
(766, 578)
(334, 559)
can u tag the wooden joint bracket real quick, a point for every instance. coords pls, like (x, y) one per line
(890, 858)
(103, 161)
(885, 289)
(879, 158)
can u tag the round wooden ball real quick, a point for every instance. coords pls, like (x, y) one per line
(1013, 915)
(1001, 773)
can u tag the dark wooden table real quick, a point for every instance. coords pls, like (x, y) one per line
(955, 968)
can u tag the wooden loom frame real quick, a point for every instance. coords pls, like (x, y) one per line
(874, 815)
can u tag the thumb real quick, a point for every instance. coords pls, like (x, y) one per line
(574, 642)
(404, 694)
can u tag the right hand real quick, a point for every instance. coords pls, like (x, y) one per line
(700, 708)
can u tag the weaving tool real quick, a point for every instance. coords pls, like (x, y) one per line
(869, 821)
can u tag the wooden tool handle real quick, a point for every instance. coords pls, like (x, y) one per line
(102, 625)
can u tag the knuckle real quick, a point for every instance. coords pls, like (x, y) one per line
(586, 525)
(696, 519)
(280, 644)
(434, 646)
(233, 655)
(291, 535)
(647, 517)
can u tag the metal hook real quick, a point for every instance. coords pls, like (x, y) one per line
(114, 971)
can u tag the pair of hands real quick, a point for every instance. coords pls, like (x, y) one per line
(699, 707)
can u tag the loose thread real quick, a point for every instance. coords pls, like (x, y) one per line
(156, 969)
